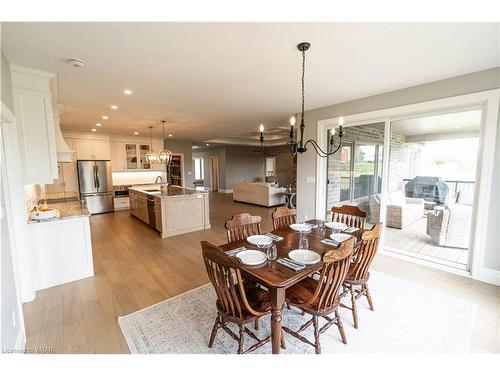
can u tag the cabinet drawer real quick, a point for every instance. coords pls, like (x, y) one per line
(121, 203)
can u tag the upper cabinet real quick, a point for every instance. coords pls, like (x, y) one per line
(92, 149)
(131, 156)
(35, 124)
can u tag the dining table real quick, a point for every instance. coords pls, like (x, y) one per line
(277, 278)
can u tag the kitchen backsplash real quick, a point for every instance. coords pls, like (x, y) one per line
(33, 194)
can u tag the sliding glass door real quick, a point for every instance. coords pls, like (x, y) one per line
(354, 174)
(431, 185)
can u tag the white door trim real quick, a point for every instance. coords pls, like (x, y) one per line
(488, 102)
(7, 118)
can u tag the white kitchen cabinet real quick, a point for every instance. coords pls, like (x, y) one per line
(122, 203)
(131, 156)
(118, 159)
(92, 149)
(35, 124)
(101, 150)
(63, 251)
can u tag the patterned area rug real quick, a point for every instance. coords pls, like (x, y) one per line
(408, 318)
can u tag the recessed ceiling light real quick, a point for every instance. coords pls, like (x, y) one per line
(170, 135)
(94, 130)
(136, 133)
(127, 92)
(114, 107)
(208, 144)
(105, 117)
(98, 124)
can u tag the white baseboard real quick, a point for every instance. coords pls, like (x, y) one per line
(489, 276)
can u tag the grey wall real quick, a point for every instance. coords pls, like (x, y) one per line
(284, 168)
(244, 163)
(6, 88)
(461, 85)
(186, 148)
(206, 153)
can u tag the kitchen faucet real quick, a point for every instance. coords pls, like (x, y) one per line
(161, 180)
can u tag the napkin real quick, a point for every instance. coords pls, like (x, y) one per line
(292, 266)
(351, 230)
(235, 251)
(327, 241)
(274, 237)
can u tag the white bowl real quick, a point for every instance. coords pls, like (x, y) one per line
(336, 225)
(252, 257)
(304, 256)
(259, 239)
(301, 227)
(340, 237)
(43, 215)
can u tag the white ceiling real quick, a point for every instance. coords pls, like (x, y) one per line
(212, 80)
(446, 123)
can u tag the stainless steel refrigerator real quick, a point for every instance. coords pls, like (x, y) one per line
(96, 185)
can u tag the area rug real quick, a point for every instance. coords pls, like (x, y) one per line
(408, 318)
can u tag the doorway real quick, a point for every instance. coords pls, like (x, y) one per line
(214, 173)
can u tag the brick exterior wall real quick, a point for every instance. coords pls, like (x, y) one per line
(404, 158)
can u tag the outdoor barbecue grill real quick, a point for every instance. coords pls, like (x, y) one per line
(432, 189)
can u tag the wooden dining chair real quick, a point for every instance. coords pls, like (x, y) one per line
(237, 302)
(321, 298)
(241, 226)
(350, 215)
(358, 273)
(283, 217)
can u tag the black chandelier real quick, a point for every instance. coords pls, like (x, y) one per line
(300, 146)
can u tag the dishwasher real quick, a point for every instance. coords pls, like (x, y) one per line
(151, 212)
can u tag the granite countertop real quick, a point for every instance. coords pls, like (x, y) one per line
(170, 191)
(65, 210)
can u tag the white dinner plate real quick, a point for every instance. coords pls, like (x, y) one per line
(304, 256)
(301, 227)
(252, 257)
(340, 237)
(336, 225)
(259, 239)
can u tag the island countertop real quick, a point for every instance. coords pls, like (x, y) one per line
(170, 191)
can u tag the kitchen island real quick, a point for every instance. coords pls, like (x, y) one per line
(170, 210)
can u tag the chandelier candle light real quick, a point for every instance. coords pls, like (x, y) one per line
(151, 156)
(301, 146)
(164, 155)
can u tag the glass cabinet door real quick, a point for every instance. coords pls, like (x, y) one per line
(144, 149)
(131, 154)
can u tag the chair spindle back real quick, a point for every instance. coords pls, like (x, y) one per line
(283, 217)
(349, 215)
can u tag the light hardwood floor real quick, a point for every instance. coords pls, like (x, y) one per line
(135, 268)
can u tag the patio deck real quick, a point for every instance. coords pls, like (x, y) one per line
(413, 238)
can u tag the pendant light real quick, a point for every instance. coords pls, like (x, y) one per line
(299, 145)
(151, 156)
(164, 155)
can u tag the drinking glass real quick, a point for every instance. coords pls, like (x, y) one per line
(321, 228)
(272, 252)
(303, 241)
